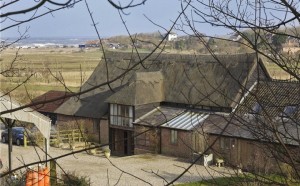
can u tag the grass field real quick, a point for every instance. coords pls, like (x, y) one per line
(245, 179)
(70, 65)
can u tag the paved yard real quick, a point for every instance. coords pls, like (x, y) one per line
(153, 169)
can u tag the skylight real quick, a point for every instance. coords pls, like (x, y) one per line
(289, 110)
(256, 108)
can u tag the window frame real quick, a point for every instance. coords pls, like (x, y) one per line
(96, 126)
(121, 115)
(256, 109)
(225, 143)
(174, 137)
(289, 110)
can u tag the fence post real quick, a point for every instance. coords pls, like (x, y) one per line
(73, 137)
(53, 175)
(25, 141)
(43, 140)
(58, 136)
(79, 135)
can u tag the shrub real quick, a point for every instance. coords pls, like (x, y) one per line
(286, 170)
(71, 178)
(13, 180)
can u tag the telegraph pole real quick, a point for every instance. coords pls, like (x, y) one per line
(9, 123)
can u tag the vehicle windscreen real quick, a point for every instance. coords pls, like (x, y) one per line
(19, 131)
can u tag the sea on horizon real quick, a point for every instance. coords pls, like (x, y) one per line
(49, 40)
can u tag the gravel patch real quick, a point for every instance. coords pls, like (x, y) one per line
(152, 169)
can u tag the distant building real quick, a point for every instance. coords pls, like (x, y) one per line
(92, 43)
(114, 45)
(235, 37)
(81, 46)
(293, 42)
(290, 50)
(172, 36)
(292, 45)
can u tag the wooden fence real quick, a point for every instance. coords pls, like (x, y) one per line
(62, 136)
(67, 136)
(33, 140)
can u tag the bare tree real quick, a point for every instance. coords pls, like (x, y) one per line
(265, 119)
(263, 27)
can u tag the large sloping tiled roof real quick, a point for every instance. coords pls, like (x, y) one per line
(51, 106)
(91, 106)
(186, 79)
(272, 97)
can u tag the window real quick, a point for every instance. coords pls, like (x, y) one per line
(173, 136)
(256, 109)
(289, 111)
(225, 143)
(121, 115)
(96, 126)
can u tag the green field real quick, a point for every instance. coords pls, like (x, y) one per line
(245, 179)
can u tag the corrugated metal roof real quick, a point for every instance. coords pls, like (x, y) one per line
(186, 121)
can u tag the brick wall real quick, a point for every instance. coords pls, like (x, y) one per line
(104, 132)
(150, 142)
(146, 142)
(181, 148)
(90, 127)
(247, 154)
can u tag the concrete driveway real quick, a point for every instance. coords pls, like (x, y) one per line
(152, 169)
